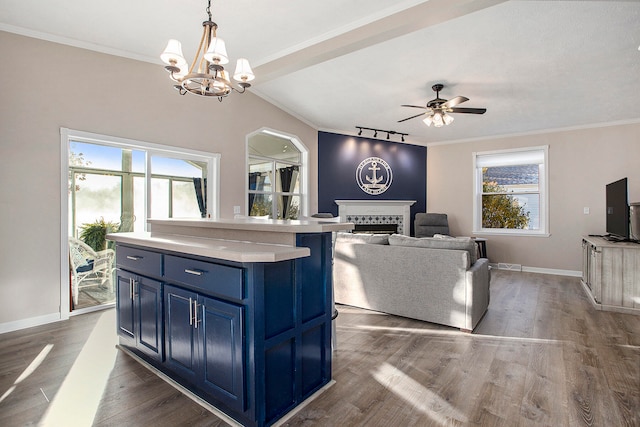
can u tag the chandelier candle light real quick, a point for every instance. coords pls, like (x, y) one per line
(206, 76)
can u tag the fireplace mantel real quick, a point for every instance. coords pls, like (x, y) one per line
(377, 212)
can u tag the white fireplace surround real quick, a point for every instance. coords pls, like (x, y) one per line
(377, 212)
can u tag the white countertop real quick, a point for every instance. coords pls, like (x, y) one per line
(229, 250)
(237, 239)
(312, 225)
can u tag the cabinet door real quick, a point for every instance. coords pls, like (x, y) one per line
(148, 316)
(124, 304)
(222, 350)
(595, 274)
(586, 257)
(180, 334)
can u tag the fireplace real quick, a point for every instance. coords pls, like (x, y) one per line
(380, 216)
(376, 228)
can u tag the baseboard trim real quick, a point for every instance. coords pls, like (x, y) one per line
(524, 268)
(557, 272)
(29, 322)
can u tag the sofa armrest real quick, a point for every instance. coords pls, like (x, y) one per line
(478, 291)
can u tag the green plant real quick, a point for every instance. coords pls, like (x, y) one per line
(502, 210)
(261, 206)
(95, 234)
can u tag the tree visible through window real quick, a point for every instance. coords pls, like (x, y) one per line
(511, 191)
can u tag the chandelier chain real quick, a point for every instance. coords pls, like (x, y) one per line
(209, 9)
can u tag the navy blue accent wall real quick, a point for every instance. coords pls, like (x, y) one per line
(338, 160)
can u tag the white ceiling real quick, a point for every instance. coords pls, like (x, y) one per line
(336, 64)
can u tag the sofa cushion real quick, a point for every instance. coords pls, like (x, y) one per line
(374, 239)
(459, 243)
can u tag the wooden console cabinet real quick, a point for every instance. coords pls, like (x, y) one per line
(611, 274)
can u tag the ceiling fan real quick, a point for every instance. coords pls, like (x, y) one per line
(438, 109)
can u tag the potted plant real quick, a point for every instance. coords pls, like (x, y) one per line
(94, 234)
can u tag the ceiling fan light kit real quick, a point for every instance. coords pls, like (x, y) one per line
(206, 76)
(438, 119)
(438, 110)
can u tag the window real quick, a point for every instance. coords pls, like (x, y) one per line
(117, 184)
(110, 182)
(276, 179)
(511, 192)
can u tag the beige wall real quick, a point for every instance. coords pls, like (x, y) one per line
(46, 86)
(581, 163)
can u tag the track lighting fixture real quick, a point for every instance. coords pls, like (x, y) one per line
(375, 132)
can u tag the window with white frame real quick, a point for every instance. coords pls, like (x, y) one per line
(124, 182)
(511, 192)
(115, 184)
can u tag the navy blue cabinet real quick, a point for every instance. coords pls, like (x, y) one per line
(204, 344)
(139, 306)
(181, 354)
(253, 339)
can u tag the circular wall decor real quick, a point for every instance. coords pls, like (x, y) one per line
(374, 175)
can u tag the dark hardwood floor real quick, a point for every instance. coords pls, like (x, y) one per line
(542, 356)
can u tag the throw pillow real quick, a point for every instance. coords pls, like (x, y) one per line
(459, 243)
(375, 239)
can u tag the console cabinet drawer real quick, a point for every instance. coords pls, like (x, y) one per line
(139, 260)
(207, 277)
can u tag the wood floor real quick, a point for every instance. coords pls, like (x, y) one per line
(542, 356)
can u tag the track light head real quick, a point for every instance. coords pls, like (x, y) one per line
(375, 132)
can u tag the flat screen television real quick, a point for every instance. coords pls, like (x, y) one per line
(618, 210)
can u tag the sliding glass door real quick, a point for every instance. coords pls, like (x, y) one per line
(115, 185)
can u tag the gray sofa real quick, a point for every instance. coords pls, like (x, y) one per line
(437, 280)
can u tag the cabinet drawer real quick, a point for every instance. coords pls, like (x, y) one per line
(207, 277)
(139, 260)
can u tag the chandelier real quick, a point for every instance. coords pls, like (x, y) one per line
(206, 76)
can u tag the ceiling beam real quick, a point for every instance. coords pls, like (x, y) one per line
(423, 15)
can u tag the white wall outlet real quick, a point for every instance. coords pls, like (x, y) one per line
(586, 211)
(236, 210)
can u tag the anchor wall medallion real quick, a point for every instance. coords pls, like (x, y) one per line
(374, 175)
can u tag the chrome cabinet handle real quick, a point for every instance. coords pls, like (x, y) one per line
(195, 314)
(190, 312)
(134, 258)
(194, 272)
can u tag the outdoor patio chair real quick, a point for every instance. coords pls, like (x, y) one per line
(88, 267)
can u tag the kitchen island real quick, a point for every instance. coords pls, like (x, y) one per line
(237, 311)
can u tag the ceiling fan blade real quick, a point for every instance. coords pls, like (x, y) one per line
(469, 110)
(455, 101)
(414, 106)
(412, 117)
